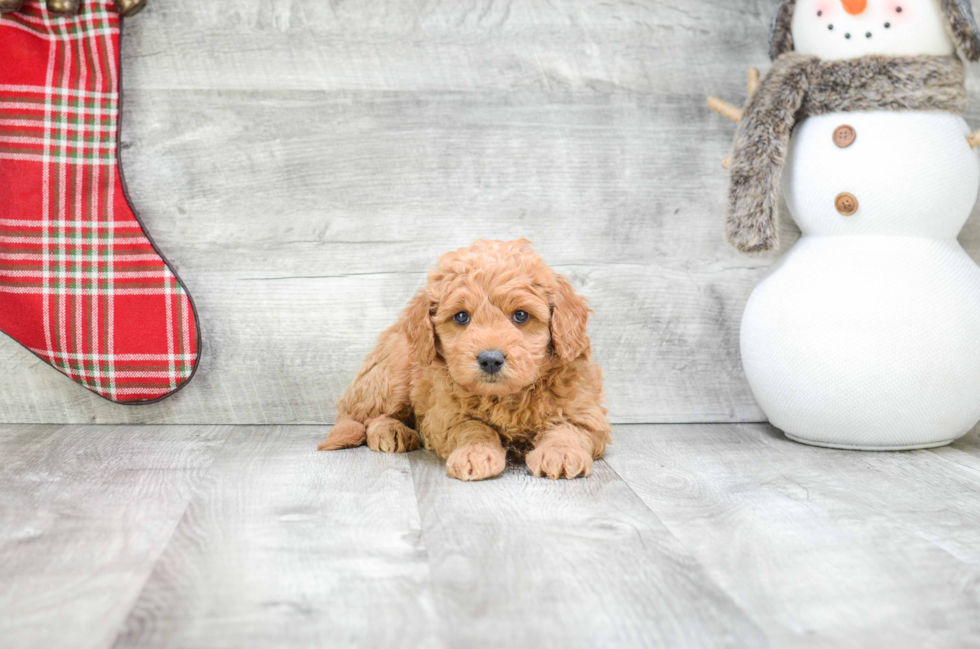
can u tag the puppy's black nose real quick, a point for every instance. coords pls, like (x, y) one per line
(491, 361)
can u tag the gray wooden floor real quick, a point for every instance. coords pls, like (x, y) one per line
(686, 536)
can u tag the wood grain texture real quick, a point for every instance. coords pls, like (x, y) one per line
(288, 547)
(821, 548)
(685, 536)
(84, 514)
(304, 162)
(528, 562)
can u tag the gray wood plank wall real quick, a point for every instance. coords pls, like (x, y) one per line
(303, 163)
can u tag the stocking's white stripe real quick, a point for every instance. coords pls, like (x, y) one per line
(90, 225)
(70, 92)
(111, 357)
(79, 276)
(46, 186)
(83, 159)
(37, 290)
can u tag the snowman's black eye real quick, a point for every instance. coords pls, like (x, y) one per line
(868, 35)
(819, 13)
(888, 25)
(830, 27)
(847, 35)
(898, 10)
(461, 318)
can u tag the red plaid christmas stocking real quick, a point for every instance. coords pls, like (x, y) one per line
(81, 284)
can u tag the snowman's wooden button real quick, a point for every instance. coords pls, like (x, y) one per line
(846, 204)
(844, 136)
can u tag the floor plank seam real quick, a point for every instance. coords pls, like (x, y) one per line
(937, 452)
(911, 528)
(163, 547)
(707, 573)
(443, 636)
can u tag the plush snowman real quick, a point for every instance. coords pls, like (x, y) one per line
(866, 334)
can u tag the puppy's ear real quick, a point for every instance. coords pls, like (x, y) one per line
(419, 328)
(569, 321)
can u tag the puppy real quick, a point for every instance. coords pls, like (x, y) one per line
(492, 354)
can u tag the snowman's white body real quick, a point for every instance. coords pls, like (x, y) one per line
(867, 332)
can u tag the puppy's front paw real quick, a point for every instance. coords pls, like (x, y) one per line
(476, 462)
(557, 461)
(387, 435)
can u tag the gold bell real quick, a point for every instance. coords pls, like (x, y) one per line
(129, 8)
(63, 7)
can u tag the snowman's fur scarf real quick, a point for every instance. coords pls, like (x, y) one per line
(960, 22)
(798, 86)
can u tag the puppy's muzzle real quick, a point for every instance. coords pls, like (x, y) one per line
(491, 362)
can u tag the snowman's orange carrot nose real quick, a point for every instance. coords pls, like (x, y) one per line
(854, 7)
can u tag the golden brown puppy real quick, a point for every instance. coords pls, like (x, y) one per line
(493, 353)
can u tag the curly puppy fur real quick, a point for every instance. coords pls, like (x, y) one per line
(959, 18)
(798, 86)
(423, 384)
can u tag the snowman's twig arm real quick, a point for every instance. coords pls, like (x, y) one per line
(755, 79)
(724, 109)
(974, 139)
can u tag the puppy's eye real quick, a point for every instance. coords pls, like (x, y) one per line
(520, 317)
(461, 318)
